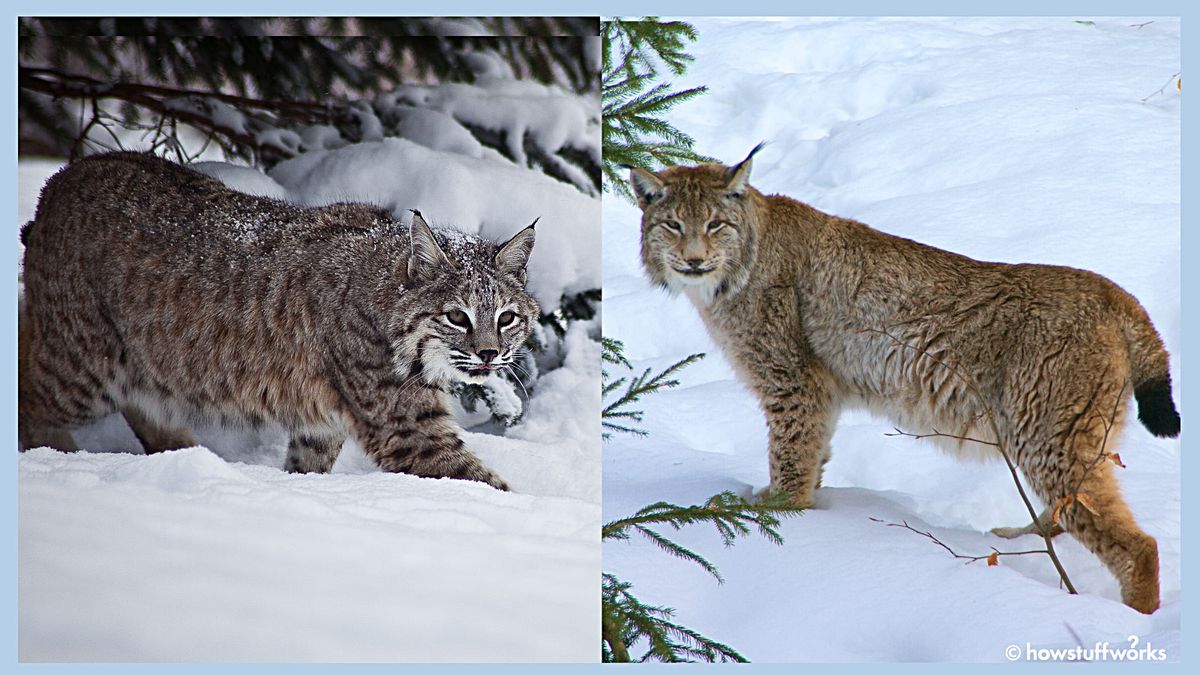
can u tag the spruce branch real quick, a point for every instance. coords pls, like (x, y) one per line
(634, 101)
(626, 620)
(636, 386)
(732, 516)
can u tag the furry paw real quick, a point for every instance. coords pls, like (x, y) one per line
(1032, 528)
(770, 492)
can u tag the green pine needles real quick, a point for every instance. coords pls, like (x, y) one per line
(627, 622)
(617, 415)
(634, 132)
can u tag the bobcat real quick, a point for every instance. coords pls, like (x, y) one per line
(156, 291)
(817, 313)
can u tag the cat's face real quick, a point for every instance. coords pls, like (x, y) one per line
(477, 313)
(697, 234)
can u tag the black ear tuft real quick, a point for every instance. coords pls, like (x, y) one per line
(647, 187)
(739, 176)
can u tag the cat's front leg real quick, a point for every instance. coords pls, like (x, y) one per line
(795, 390)
(416, 434)
(800, 417)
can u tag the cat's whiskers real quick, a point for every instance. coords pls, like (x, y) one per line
(511, 366)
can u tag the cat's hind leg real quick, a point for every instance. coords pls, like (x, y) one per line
(312, 454)
(1045, 520)
(1100, 519)
(58, 389)
(153, 436)
(1072, 472)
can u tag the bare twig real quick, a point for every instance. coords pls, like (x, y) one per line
(1162, 88)
(896, 431)
(1012, 468)
(969, 558)
(55, 82)
(165, 102)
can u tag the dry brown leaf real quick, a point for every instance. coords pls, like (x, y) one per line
(1059, 505)
(1116, 459)
(993, 559)
(1086, 502)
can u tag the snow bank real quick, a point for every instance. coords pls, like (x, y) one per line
(185, 557)
(478, 196)
(1003, 139)
(553, 119)
(242, 178)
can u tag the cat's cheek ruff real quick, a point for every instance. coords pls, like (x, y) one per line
(438, 371)
(437, 368)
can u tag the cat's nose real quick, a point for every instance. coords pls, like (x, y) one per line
(487, 355)
(695, 263)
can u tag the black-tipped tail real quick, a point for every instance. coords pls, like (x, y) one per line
(25, 232)
(1156, 410)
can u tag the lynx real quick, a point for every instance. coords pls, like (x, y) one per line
(818, 313)
(156, 291)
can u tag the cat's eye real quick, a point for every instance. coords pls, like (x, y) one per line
(458, 318)
(672, 225)
(505, 319)
(715, 225)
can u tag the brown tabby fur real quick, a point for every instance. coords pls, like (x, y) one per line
(158, 292)
(818, 313)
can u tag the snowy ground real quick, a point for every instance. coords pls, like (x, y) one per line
(1017, 140)
(214, 553)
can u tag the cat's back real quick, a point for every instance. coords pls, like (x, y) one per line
(129, 200)
(130, 184)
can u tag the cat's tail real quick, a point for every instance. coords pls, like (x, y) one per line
(1150, 372)
(1156, 409)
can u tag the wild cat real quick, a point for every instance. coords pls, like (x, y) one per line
(156, 291)
(818, 313)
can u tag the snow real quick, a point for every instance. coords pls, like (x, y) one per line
(483, 196)
(242, 178)
(227, 116)
(552, 119)
(321, 137)
(1017, 140)
(371, 128)
(437, 131)
(214, 553)
(286, 140)
(186, 557)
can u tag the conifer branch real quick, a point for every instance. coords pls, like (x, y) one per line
(633, 101)
(626, 620)
(636, 386)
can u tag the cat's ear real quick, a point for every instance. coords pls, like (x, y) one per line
(646, 186)
(739, 176)
(427, 260)
(513, 256)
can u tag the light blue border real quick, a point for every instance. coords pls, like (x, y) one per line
(552, 7)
